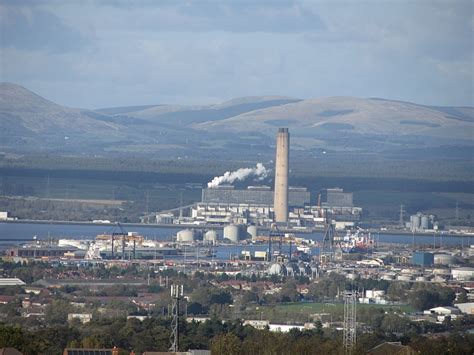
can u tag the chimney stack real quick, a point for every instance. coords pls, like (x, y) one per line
(281, 175)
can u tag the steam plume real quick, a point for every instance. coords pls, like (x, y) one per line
(259, 173)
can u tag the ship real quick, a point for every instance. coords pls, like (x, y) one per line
(359, 241)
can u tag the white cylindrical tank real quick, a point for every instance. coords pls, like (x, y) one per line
(252, 231)
(185, 236)
(444, 259)
(232, 232)
(415, 222)
(425, 222)
(210, 237)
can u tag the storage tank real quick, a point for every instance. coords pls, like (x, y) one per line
(185, 236)
(277, 269)
(425, 222)
(252, 231)
(210, 237)
(232, 232)
(444, 259)
(415, 222)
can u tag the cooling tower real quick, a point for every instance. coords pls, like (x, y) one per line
(281, 175)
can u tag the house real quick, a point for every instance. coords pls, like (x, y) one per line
(189, 352)
(13, 281)
(197, 319)
(284, 328)
(33, 290)
(445, 310)
(466, 308)
(258, 324)
(4, 299)
(83, 317)
(391, 348)
(9, 351)
(76, 351)
(441, 313)
(140, 318)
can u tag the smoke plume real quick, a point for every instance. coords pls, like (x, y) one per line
(259, 173)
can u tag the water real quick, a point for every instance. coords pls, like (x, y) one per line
(15, 233)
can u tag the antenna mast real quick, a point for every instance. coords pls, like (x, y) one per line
(176, 294)
(350, 322)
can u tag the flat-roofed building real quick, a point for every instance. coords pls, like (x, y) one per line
(336, 197)
(254, 195)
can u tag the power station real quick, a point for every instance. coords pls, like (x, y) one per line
(281, 175)
(224, 204)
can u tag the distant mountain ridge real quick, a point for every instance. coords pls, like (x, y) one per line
(238, 127)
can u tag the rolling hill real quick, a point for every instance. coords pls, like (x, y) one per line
(240, 127)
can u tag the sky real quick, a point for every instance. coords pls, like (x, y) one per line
(94, 54)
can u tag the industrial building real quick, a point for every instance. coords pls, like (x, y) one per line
(226, 213)
(420, 222)
(261, 206)
(423, 259)
(253, 195)
(336, 197)
(261, 215)
(33, 251)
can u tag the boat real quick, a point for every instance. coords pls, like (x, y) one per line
(360, 241)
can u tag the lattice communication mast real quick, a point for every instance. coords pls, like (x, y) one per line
(176, 295)
(350, 321)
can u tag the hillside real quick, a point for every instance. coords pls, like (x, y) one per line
(335, 117)
(31, 122)
(242, 128)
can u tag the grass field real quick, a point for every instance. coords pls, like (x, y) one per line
(333, 307)
(304, 312)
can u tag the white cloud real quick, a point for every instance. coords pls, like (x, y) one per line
(179, 53)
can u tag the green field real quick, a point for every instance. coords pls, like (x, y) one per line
(304, 312)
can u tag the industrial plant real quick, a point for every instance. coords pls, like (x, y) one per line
(290, 207)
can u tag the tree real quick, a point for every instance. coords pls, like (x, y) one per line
(462, 297)
(397, 291)
(250, 297)
(228, 344)
(289, 293)
(57, 311)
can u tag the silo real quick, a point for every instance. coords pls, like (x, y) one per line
(232, 232)
(252, 231)
(185, 236)
(415, 222)
(425, 222)
(210, 237)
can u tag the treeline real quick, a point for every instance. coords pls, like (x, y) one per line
(304, 164)
(42, 209)
(231, 338)
(315, 182)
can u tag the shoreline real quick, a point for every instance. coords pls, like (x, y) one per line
(217, 227)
